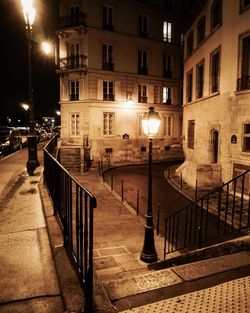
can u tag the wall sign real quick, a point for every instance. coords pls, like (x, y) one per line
(233, 139)
(125, 136)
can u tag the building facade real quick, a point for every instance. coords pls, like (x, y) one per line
(216, 94)
(115, 59)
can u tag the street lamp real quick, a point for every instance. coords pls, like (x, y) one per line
(29, 16)
(150, 124)
(25, 107)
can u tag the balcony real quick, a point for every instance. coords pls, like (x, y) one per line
(109, 97)
(243, 83)
(143, 70)
(72, 63)
(108, 66)
(71, 21)
(142, 99)
(109, 27)
(74, 97)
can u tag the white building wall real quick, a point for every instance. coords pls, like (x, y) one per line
(226, 110)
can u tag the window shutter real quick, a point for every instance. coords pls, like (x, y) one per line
(100, 89)
(150, 93)
(117, 90)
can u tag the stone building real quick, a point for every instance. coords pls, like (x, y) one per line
(115, 59)
(216, 94)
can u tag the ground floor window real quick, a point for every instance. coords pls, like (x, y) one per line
(167, 125)
(246, 138)
(190, 137)
(108, 123)
(74, 124)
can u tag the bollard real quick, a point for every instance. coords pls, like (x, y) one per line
(122, 190)
(137, 203)
(158, 218)
(112, 182)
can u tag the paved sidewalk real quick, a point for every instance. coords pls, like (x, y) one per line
(122, 277)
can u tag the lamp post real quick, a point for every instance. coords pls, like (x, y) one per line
(150, 124)
(25, 107)
(29, 16)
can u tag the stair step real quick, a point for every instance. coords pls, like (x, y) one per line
(153, 280)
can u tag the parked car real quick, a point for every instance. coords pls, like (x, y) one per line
(10, 140)
(24, 135)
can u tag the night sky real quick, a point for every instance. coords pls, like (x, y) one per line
(14, 60)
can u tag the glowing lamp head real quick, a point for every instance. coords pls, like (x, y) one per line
(151, 122)
(29, 12)
(46, 47)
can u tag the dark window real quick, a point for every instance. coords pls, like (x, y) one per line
(189, 94)
(142, 62)
(107, 18)
(200, 80)
(74, 90)
(167, 66)
(168, 4)
(215, 71)
(74, 15)
(246, 138)
(216, 13)
(107, 57)
(190, 42)
(201, 29)
(142, 94)
(108, 91)
(244, 80)
(143, 26)
(190, 139)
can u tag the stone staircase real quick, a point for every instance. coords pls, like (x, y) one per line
(70, 158)
(193, 271)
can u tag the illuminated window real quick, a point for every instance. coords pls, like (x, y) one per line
(214, 71)
(74, 90)
(246, 138)
(190, 137)
(108, 123)
(75, 124)
(166, 95)
(167, 125)
(167, 31)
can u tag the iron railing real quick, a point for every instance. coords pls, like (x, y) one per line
(225, 211)
(74, 62)
(73, 205)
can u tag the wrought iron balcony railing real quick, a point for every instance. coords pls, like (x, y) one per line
(74, 20)
(243, 83)
(74, 62)
(142, 99)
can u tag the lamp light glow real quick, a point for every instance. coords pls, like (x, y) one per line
(151, 122)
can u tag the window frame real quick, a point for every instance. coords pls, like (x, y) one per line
(142, 93)
(107, 57)
(108, 17)
(142, 61)
(166, 95)
(167, 125)
(190, 42)
(191, 134)
(215, 73)
(200, 79)
(108, 90)
(246, 136)
(110, 130)
(201, 29)
(167, 31)
(216, 17)
(189, 86)
(74, 90)
(143, 25)
(76, 132)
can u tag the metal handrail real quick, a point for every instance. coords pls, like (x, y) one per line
(223, 211)
(73, 204)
